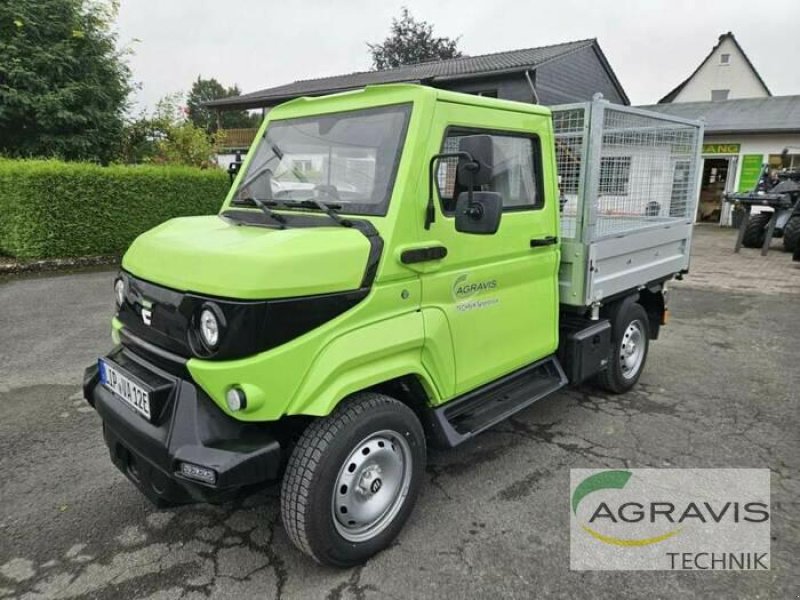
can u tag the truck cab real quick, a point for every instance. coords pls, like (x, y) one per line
(384, 274)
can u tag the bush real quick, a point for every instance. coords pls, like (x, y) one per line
(50, 208)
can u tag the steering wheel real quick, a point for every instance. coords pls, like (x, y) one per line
(328, 190)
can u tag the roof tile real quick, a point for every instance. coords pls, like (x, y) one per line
(773, 114)
(423, 72)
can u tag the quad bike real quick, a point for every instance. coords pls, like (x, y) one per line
(782, 221)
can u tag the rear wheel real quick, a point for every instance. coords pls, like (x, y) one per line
(629, 345)
(791, 234)
(756, 230)
(353, 479)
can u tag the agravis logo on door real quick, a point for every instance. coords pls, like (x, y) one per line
(466, 292)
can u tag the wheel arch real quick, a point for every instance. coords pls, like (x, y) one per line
(361, 360)
(654, 304)
(652, 300)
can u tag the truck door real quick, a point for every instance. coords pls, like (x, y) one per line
(499, 292)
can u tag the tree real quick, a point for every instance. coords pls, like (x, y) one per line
(63, 83)
(167, 137)
(204, 90)
(411, 42)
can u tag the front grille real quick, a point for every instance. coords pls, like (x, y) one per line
(163, 359)
(169, 319)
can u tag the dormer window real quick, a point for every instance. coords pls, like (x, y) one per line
(724, 59)
(719, 95)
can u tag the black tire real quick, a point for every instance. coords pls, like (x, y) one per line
(756, 230)
(321, 460)
(629, 319)
(791, 234)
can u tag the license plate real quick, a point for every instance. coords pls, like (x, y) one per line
(122, 386)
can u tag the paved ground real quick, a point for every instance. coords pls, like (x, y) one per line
(720, 391)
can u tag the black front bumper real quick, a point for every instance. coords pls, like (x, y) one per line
(185, 427)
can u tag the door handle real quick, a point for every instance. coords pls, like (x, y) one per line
(550, 240)
(418, 255)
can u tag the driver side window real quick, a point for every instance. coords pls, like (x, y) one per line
(517, 171)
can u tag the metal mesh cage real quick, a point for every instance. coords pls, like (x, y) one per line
(637, 169)
(571, 129)
(645, 173)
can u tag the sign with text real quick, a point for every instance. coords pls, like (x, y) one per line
(751, 171)
(721, 148)
(670, 519)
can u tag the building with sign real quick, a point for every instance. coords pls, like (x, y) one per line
(741, 136)
(746, 126)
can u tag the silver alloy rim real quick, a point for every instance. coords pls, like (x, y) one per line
(371, 486)
(631, 350)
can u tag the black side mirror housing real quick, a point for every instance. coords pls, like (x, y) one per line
(478, 212)
(475, 168)
(479, 170)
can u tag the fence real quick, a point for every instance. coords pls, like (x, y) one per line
(237, 139)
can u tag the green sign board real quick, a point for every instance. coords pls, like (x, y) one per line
(721, 148)
(751, 169)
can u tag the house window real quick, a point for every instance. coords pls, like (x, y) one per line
(724, 59)
(790, 161)
(615, 175)
(304, 166)
(719, 95)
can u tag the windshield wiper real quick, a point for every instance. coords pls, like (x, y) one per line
(279, 219)
(328, 209)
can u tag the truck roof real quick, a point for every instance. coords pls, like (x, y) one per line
(393, 93)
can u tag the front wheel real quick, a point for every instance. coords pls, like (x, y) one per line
(630, 341)
(756, 231)
(791, 234)
(352, 480)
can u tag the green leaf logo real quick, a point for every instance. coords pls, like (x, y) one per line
(599, 481)
(611, 480)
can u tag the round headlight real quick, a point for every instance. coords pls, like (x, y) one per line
(119, 291)
(209, 328)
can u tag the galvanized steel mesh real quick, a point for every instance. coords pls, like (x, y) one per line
(636, 170)
(571, 134)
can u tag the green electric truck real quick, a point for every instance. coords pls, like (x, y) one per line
(394, 267)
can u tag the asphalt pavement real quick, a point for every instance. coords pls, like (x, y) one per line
(720, 390)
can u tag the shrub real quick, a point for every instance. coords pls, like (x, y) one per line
(50, 208)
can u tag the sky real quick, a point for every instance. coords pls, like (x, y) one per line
(652, 45)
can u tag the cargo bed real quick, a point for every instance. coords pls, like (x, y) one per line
(628, 186)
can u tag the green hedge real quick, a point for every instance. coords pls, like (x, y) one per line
(50, 208)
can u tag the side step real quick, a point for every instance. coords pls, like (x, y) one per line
(464, 417)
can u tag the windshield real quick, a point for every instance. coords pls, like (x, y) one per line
(345, 159)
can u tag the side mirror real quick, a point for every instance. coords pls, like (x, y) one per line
(479, 170)
(478, 212)
(475, 168)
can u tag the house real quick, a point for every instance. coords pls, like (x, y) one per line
(557, 74)
(725, 74)
(746, 127)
